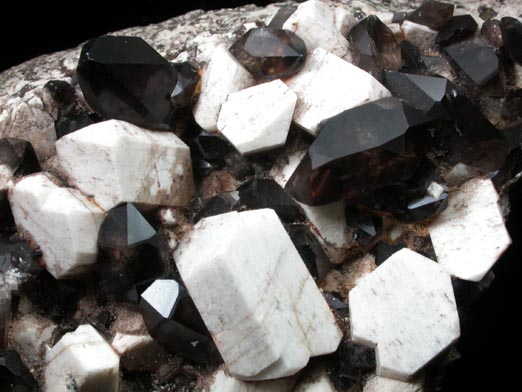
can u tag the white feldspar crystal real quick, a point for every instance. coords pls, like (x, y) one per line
(258, 118)
(328, 85)
(469, 236)
(320, 382)
(137, 352)
(419, 35)
(406, 308)
(82, 358)
(29, 333)
(381, 384)
(62, 222)
(223, 382)
(116, 162)
(224, 75)
(315, 22)
(344, 20)
(255, 295)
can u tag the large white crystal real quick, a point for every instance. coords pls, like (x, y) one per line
(469, 235)
(258, 118)
(62, 222)
(224, 75)
(328, 85)
(116, 162)
(220, 381)
(255, 295)
(315, 22)
(406, 308)
(83, 359)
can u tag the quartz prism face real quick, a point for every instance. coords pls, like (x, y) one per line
(270, 53)
(188, 78)
(82, 358)
(433, 14)
(223, 75)
(470, 235)
(479, 62)
(124, 78)
(173, 321)
(62, 222)
(328, 85)
(492, 32)
(375, 47)
(261, 333)
(314, 22)
(115, 161)
(406, 309)
(243, 119)
(457, 29)
(512, 36)
(18, 157)
(128, 251)
(361, 149)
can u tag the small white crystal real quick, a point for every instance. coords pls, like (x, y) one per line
(62, 222)
(116, 162)
(82, 358)
(224, 75)
(406, 308)
(328, 85)
(223, 382)
(255, 295)
(315, 22)
(469, 235)
(258, 118)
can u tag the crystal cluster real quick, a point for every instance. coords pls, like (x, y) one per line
(325, 181)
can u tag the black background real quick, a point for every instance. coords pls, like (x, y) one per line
(490, 339)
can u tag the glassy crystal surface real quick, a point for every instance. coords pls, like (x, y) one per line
(512, 37)
(477, 61)
(128, 250)
(361, 149)
(310, 251)
(73, 118)
(270, 53)
(367, 226)
(7, 225)
(457, 29)
(19, 156)
(61, 91)
(411, 57)
(188, 78)
(173, 320)
(492, 32)
(264, 193)
(282, 16)
(126, 79)
(352, 362)
(216, 205)
(374, 46)
(384, 250)
(14, 375)
(16, 253)
(433, 14)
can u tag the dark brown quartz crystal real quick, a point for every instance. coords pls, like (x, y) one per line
(19, 156)
(269, 53)
(361, 149)
(433, 14)
(310, 250)
(126, 79)
(457, 29)
(492, 32)
(375, 47)
(282, 16)
(188, 78)
(512, 37)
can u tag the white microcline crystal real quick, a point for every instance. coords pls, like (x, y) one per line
(469, 235)
(116, 162)
(314, 22)
(406, 308)
(258, 118)
(255, 295)
(381, 384)
(62, 222)
(223, 382)
(328, 85)
(82, 359)
(224, 75)
(344, 20)
(29, 333)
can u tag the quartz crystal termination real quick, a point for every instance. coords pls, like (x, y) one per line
(124, 78)
(264, 312)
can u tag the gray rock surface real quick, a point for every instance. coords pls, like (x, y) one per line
(28, 112)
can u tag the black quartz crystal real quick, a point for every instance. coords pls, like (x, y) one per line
(457, 29)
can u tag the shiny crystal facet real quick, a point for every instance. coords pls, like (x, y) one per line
(310, 250)
(270, 53)
(361, 149)
(433, 14)
(188, 78)
(173, 320)
(457, 29)
(124, 78)
(19, 156)
(375, 47)
(512, 37)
